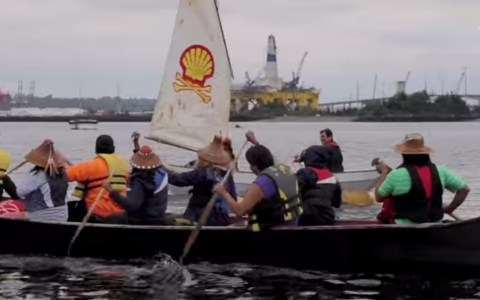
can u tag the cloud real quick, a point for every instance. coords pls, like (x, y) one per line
(63, 44)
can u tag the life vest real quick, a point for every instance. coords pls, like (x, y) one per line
(387, 214)
(284, 206)
(422, 203)
(118, 181)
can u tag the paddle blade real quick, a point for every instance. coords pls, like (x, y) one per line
(358, 198)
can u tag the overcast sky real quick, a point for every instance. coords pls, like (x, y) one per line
(64, 44)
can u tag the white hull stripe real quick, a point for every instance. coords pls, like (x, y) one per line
(330, 180)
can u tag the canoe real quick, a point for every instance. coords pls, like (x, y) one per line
(349, 246)
(354, 180)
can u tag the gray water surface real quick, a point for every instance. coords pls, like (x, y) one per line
(455, 146)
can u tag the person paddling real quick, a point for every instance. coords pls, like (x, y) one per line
(44, 188)
(272, 199)
(90, 176)
(416, 187)
(210, 168)
(146, 200)
(319, 189)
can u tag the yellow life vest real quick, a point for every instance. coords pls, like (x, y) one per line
(4, 163)
(118, 181)
(283, 207)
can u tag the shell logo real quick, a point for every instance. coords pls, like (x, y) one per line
(198, 66)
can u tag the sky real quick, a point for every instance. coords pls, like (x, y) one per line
(67, 44)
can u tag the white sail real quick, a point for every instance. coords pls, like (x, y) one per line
(194, 100)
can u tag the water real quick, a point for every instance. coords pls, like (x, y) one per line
(455, 144)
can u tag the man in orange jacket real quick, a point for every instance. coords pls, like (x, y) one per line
(90, 176)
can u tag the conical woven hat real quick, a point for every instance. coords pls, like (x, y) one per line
(40, 156)
(215, 153)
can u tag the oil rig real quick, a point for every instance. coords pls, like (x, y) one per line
(268, 89)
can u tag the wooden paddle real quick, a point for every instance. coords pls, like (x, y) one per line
(87, 216)
(208, 209)
(377, 161)
(16, 168)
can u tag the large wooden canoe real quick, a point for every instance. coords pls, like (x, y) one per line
(346, 247)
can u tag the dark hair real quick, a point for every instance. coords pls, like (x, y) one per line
(36, 169)
(416, 160)
(104, 145)
(327, 132)
(260, 157)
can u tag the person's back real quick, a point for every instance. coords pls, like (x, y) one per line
(416, 187)
(319, 189)
(44, 188)
(90, 176)
(147, 198)
(209, 171)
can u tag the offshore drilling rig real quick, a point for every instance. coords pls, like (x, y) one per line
(268, 89)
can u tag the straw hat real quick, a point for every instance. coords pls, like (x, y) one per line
(44, 156)
(413, 144)
(145, 158)
(215, 153)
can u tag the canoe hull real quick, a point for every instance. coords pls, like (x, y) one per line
(344, 248)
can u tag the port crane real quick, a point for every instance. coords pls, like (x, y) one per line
(462, 78)
(296, 76)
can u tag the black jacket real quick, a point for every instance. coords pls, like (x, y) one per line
(319, 189)
(335, 157)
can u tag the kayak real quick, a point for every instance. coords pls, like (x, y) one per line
(348, 246)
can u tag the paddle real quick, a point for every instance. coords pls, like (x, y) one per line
(87, 216)
(377, 161)
(208, 209)
(16, 168)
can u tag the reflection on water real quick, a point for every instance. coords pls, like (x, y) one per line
(162, 278)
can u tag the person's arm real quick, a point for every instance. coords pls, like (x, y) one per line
(136, 145)
(189, 178)
(78, 172)
(456, 185)
(385, 187)
(30, 183)
(10, 187)
(254, 195)
(134, 199)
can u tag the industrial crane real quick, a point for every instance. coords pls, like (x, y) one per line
(462, 78)
(249, 82)
(296, 76)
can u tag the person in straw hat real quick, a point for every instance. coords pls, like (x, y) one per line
(273, 198)
(211, 166)
(44, 188)
(146, 201)
(416, 187)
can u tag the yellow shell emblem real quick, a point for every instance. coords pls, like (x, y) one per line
(198, 66)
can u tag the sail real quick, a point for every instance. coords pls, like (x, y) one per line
(194, 100)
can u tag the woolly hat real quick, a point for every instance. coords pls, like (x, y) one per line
(145, 158)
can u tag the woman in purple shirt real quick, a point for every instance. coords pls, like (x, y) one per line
(263, 193)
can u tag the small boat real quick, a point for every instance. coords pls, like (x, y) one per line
(77, 122)
(353, 180)
(349, 246)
